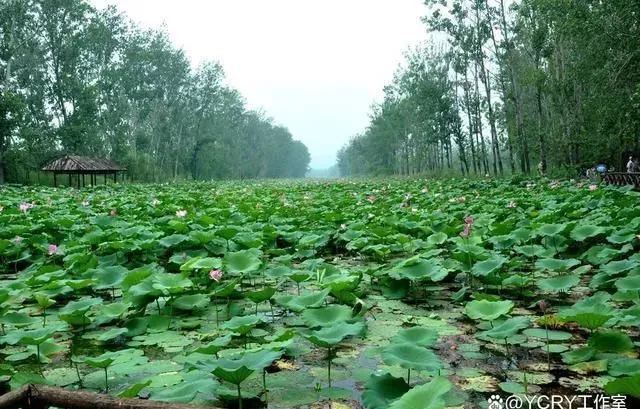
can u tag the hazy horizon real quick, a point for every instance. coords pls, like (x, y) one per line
(315, 69)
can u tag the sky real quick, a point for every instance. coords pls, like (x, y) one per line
(313, 66)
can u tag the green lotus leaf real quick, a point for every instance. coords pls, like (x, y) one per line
(560, 283)
(36, 336)
(610, 341)
(191, 302)
(381, 390)
(17, 319)
(631, 283)
(489, 266)
(134, 390)
(215, 346)
(531, 251)
(552, 335)
(623, 366)
(590, 367)
(173, 240)
(111, 334)
(242, 324)
(108, 277)
(410, 356)
(234, 371)
(330, 336)
(557, 265)
(263, 358)
(621, 236)
(103, 361)
(508, 328)
(261, 295)
(244, 261)
(326, 316)
(583, 232)
(487, 310)
(587, 319)
(551, 229)
(629, 386)
(202, 263)
(184, 392)
(420, 336)
(302, 302)
(437, 239)
(168, 283)
(427, 396)
(416, 269)
(617, 267)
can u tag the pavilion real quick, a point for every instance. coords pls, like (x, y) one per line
(84, 165)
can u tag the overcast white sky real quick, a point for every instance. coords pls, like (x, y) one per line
(314, 66)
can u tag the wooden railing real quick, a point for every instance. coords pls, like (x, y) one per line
(622, 179)
(41, 396)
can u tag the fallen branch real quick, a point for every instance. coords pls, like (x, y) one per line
(41, 396)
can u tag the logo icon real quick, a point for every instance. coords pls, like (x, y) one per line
(495, 402)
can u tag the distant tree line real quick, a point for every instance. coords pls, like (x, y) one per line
(77, 80)
(518, 84)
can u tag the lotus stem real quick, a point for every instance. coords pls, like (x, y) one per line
(298, 284)
(273, 318)
(106, 380)
(329, 368)
(79, 378)
(409, 376)
(546, 328)
(38, 353)
(158, 305)
(170, 313)
(264, 380)
(239, 397)
(506, 345)
(44, 317)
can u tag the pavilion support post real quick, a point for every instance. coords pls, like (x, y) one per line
(70, 185)
(55, 179)
(115, 177)
(105, 178)
(84, 184)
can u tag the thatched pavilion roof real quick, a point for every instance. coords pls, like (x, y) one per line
(79, 164)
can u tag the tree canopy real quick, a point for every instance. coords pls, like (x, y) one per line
(515, 84)
(78, 80)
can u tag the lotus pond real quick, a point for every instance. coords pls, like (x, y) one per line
(379, 294)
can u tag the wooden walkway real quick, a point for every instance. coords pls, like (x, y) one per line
(622, 179)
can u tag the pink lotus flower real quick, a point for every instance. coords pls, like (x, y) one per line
(18, 240)
(371, 198)
(113, 213)
(408, 196)
(283, 199)
(215, 275)
(414, 209)
(453, 200)
(555, 184)
(461, 199)
(343, 226)
(49, 202)
(85, 203)
(425, 190)
(181, 213)
(53, 249)
(468, 222)
(512, 204)
(466, 232)
(593, 188)
(155, 202)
